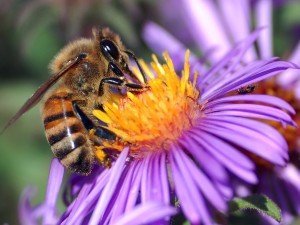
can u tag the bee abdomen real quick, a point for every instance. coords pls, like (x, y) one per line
(66, 134)
(56, 117)
(57, 137)
(67, 145)
(79, 160)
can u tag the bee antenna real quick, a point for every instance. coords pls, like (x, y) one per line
(132, 55)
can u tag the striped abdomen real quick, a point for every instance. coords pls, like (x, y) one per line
(66, 134)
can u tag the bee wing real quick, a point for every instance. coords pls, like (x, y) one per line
(37, 96)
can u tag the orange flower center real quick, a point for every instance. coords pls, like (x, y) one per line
(149, 121)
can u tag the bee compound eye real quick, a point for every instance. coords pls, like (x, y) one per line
(109, 48)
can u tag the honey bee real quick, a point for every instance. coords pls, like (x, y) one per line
(83, 73)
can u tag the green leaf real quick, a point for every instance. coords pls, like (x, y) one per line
(186, 223)
(257, 202)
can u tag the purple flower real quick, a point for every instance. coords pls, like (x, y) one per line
(214, 27)
(179, 143)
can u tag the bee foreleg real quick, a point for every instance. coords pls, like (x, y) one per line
(132, 55)
(135, 87)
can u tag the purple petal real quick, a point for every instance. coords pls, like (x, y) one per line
(226, 151)
(156, 189)
(289, 77)
(55, 179)
(244, 137)
(254, 130)
(204, 22)
(146, 213)
(290, 176)
(154, 185)
(27, 214)
(225, 76)
(205, 160)
(266, 99)
(77, 205)
(253, 76)
(135, 187)
(251, 110)
(266, 133)
(219, 174)
(108, 192)
(238, 9)
(229, 61)
(164, 179)
(263, 11)
(159, 40)
(119, 209)
(191, 201)
(85, 206)
(219, 148)
(204, 184)
(145, 178)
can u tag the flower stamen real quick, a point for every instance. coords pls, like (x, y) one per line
(150, 121)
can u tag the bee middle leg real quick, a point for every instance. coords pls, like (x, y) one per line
(99, 131)
(97, 134)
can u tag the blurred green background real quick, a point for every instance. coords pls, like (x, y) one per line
(31, 33)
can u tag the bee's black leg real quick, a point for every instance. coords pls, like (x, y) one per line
(117, 81)
(100, 132)
(104, 133)
(135, 87)
(86, 121)
(115, 69)
(111, 81)
(132, 55)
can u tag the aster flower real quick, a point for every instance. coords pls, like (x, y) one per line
(178, 143)
(214, 28)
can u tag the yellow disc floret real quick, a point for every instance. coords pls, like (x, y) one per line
(149, 121)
